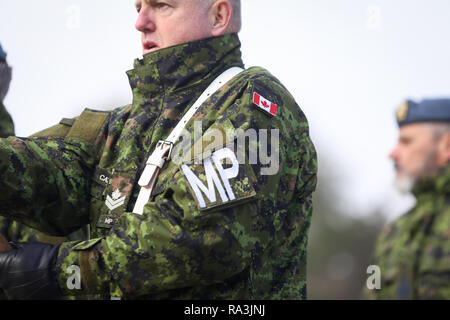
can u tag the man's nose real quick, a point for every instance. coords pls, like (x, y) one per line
(144, 21)
(394, 154)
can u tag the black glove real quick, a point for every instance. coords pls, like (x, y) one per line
(28, 272)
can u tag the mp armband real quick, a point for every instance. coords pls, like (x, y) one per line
(219, 181)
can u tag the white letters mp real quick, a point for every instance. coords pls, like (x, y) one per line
(212, 178)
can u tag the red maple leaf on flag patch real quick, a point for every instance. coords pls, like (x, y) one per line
(265, 104)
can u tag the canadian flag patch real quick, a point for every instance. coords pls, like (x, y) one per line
(265, 104)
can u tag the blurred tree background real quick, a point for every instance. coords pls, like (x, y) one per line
(340, 243)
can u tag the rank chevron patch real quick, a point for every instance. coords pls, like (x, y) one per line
(115, 201)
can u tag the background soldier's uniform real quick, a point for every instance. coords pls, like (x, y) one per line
(6, 123)
(251, 247)
(413, 253)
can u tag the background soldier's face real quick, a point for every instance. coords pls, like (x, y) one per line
(170, 22)
(416, 155)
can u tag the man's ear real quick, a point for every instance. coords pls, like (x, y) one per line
(221, 13)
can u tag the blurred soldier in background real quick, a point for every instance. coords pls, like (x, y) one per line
(413, 253)
(6, 123)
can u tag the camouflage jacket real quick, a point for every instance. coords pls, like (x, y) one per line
(12, 230)
(249, 245)
(413, 253)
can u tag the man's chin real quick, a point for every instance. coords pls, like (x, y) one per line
(405, 184)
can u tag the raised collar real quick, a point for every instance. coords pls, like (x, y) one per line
(183, 65)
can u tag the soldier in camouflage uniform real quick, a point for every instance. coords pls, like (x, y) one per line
(238, 238)
(6, 123)
(13, 231)
(413, 252)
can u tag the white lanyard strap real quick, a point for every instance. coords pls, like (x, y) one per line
(163, 149)
(213, 87)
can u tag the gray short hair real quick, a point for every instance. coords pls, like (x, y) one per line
(438, 129)
(236, 19)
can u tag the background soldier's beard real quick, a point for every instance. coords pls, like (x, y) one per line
(407, 181)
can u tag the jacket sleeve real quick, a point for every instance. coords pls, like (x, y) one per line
(181, 242)
(46, 180)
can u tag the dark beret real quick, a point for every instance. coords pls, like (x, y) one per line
(432, 110)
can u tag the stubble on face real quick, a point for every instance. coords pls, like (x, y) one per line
(406, 179)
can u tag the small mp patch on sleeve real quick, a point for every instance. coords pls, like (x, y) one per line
(219, 181)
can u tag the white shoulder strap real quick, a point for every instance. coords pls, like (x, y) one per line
(213, 87)
(163, 150)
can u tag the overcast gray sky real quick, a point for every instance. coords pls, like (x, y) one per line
(348, 63)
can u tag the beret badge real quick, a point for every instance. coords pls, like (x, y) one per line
(402, 112)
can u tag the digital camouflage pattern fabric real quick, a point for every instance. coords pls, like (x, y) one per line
(9, 229)
(413, 253)
(17, 232)
(14, 231)
(253, 247)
